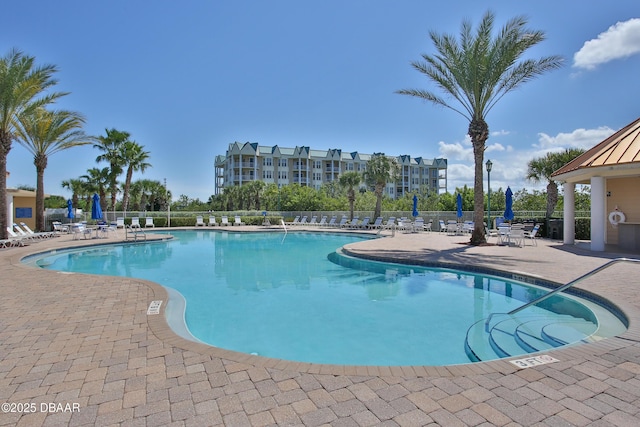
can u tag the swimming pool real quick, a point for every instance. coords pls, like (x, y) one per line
(293, 297)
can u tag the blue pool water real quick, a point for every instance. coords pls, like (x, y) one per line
(289, 297)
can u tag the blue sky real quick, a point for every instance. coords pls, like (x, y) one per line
(188, 78)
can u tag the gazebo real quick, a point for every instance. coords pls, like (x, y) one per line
(612, 168)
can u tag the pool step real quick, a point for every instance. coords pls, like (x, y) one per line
(513, 336)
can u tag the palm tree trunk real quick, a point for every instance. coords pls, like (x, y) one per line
(479, 133)
(127, 185)
(552, 198)
(378, 191)
(5, 147)
(40, 167)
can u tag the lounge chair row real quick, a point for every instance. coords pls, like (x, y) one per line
(224, 221)
(21, 235)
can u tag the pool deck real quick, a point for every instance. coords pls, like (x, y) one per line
(81, 350)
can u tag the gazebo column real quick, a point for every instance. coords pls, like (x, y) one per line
(569, 213)
(598, 213)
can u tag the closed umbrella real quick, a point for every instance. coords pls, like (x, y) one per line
(96, 210)
(415, 206)
(70, 209)
(459, 205)
(508, 212)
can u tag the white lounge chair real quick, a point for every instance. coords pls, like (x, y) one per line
(314, 220)
(19, 232)
(376, 224)
(199, 221)
(303, 221)
(212, 221)
(364, 223)
(17, 240)
(443, 226)
(351, 224)
(135, 222)
(149, 222)
(342, 222)
(295, 221)
(323, 221)
(332, 221)
(40, 235)
(391, 222)
(237, 220)
(120, 222)
(224, 221)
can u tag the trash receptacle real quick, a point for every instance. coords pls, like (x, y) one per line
(555, 229)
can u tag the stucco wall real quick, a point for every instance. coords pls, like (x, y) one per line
(625, 194)
(21, 205)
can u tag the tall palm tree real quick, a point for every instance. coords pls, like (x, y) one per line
(135, 159)
(111, 145)
(45, 133)
(541, 169)
(22, 87)
(380, 170)
(349, 180)
(477, 71)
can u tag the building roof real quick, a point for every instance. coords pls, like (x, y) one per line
(616, 156)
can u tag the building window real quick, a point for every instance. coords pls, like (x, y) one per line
(267, 174)
(349, 166)
(283, 175)
(267, 161)
(282, 163)
(317, 164)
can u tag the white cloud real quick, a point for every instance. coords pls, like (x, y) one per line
(456, 151)
(579, 138)
(619, 41)
(500, 132)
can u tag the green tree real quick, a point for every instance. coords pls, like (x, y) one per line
(477, 71)
(44, 133)
(380, 170)
(111, 146)
(350, 180)
(77, 187)
(97, 181)
(541, 169)
(22, 90)
(135, 159)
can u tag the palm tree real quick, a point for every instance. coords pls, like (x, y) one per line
(477, 71)
(45, 133)
(349, 180)
(97, 181)
(77, 188)
(111, 146)
(135, 159)
(22, 87)
(541, 169)
(380, 170)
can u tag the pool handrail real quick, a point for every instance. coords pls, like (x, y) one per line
(561, 288)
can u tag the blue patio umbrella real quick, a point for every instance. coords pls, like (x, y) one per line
(459, 205)
(70, 209)
(415, 205)
(508, 212)
(96, 210)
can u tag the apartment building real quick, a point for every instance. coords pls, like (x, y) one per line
(249, 161)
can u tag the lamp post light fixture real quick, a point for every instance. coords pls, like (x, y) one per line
(489, 166)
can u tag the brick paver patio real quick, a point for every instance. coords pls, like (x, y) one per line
(81, 350)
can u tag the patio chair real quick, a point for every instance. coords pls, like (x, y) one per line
(314, 220)
(531, 235)
(332, 221)
(364, 223)
(323, 221)
(342, 222)
(391, 222)
(59, 228)
(148, 222)
(19, 232)
(80, 231)
(224, 221)
(303, 221)
(351, 224)
(120, 222)
(212, 221)
(295, 221)
(199, 221)
(135, 222)
(428, 225)
(238, 220)
(443, 226)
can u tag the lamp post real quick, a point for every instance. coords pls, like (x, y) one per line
(489, 166)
